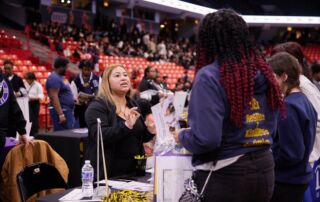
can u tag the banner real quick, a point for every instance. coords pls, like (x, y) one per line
(59, 17)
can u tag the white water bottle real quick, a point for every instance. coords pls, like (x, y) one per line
(87, 179)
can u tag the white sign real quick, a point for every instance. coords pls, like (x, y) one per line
(24, 106)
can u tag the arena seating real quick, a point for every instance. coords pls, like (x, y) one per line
(9, 41)
(172, 70)
(10, 48)
(312, 52)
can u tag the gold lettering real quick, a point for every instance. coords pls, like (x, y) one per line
(257, 142)
(257, 132)
(256, 117)
(254, 104)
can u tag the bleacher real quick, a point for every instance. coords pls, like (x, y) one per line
(22, 65)
(312, 52)
(172, 70)
(11, 49)
(9, 41)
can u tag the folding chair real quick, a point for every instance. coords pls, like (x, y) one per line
(38, 177)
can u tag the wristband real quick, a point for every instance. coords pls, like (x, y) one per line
(61, 115)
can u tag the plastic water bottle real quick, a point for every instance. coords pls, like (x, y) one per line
(87, 179)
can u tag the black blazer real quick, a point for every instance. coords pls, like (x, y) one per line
(17, 83)
(120, 144)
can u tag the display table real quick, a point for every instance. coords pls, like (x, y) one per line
(55, 197)
(10, 143)
(70, 145)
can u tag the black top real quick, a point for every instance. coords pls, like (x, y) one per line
(11, 117)
(17, 83)
(121, 144)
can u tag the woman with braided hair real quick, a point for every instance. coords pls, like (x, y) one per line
(233, 113)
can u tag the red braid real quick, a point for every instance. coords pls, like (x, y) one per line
(238, 81)
(224, 36)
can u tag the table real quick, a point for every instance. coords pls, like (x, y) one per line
(55, 197)
(70, 145)
(10, 143)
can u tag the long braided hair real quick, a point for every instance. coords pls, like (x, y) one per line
(224, 36)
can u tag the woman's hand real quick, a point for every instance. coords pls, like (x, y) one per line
(131, 117)
(175, 134)
(150, 124)
(62, 119)
(23, 139)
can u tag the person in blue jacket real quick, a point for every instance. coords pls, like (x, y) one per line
(295, 134)
(233, 112)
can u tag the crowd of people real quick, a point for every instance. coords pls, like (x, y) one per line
(254, 126)
(70, 97)
(117, 40)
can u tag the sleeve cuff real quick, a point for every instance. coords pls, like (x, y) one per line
(124, 127)
(181, 135)
(22, 132)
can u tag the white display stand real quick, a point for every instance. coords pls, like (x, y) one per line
(170, 175)
(172, 162)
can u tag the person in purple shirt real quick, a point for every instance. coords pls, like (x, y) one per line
(86, 82)
(61, 97)
(295, 135)
(233, 112)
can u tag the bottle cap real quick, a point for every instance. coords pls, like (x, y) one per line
(87, 161)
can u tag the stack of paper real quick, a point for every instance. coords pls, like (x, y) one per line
(128, 185)
(76, 195)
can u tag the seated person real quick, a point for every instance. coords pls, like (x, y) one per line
(123, 129)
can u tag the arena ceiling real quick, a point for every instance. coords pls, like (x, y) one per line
(265, 7)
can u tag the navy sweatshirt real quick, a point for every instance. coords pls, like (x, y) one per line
(294, 141)
(212, 136)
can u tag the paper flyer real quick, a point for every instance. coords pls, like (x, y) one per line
(166, 116)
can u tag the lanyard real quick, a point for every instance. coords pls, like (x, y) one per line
(30, 87)
(81, 79)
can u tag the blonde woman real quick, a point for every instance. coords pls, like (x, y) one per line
(123, 129)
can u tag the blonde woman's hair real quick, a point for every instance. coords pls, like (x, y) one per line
(105, 88)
